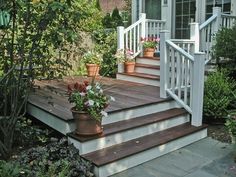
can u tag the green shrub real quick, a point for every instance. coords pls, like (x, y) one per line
(106, 43)
(218, 95)
(224, 50)
(116, 18)
(9, 169)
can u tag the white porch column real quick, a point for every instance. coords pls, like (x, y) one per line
(217, 11)
(233, 7)
(194, 35)
(166, 13)
(164, 68)
(198, 88)
(120, 45)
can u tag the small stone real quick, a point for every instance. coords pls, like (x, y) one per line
(136, 142)
(53, 139)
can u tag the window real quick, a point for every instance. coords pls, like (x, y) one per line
(184, 14)
(224, 4)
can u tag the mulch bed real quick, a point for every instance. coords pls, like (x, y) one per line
(219, 132)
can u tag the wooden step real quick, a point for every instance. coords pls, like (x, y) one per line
(142, 75)
(119, 157)
(151, 58)
(143, 78)
(147, 66)
(148, 60)
(126, 130)
(147, 69)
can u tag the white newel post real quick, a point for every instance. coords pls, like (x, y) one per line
(143, 29)
(217, 26)
(195, 36)
(164, 35)
(120, 45)
(143, 25)
(198, 88)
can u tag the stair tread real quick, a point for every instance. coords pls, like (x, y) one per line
(123, 150)
(116, 127)
(151, 58)
(142, 75)
(147, 66)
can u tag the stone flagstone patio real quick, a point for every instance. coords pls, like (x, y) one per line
(205, 158)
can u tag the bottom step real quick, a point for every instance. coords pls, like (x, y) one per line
(123, 156)
(142, 78)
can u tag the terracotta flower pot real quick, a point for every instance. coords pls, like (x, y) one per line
(129, 67)
(92, 70)
(85, 124)
(148, 52)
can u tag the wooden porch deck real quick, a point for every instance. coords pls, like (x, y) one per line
(51, 96)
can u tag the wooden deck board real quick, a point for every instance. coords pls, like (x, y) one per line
(51, 96)
(123, 150)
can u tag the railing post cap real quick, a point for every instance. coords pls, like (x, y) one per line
(216, 9)
(120, 26)
(194, 23)
(164, 31)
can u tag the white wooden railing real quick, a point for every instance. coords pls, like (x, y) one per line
(153, 27)
(210, 27)
(130, 37)
(182, 77)
(228, 20)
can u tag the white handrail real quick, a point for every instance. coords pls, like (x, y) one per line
(209, 20)
(182, 77)
(177, 48)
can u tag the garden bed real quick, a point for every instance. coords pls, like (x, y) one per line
(41, 151)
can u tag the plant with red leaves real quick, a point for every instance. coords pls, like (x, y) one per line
(90, 98)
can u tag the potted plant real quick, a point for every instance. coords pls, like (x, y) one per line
(231, 126)
(127, 58)
(92, 59)
(149, 46)
(89, 106)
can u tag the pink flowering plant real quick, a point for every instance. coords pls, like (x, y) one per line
(90, 98)
(124, 55)
(150, 42)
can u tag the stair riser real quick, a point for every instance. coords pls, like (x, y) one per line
(127, 135)
(147, 71)
(148, 61)
(138, 80)
(147, 155)
(51, 120)
(139, 111)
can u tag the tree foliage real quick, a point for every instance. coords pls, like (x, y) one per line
(30, 47)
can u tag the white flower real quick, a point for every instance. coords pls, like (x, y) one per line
(82, 94)
(88, 87)
(104, 113)
(100, 91)
(112, 98)
(90, 102)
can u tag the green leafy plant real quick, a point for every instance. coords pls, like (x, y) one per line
(231, 123)
(106, 44)
(224, 50)
(92, 57)
(89, 98)
(9, 169)
(218, 94)
(150, 42)
(116, 18)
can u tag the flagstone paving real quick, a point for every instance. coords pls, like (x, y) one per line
(205, 158)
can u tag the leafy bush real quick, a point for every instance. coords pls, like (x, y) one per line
(224, 49)
(9, 169)
(106, 43)
(218, 94)
(54, 159)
